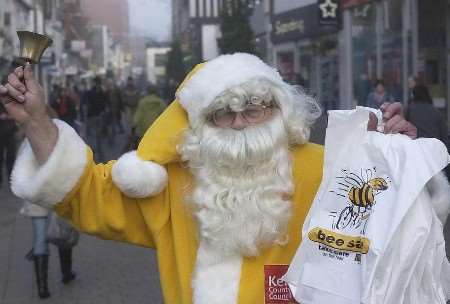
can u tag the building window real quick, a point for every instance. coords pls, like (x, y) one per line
(364, 50)
(392, 44)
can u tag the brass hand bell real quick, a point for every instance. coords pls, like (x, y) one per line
(32, 46)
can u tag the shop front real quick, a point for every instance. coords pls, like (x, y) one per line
(395, 40)
(306, 52)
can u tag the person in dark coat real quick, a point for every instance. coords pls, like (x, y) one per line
(379, 95)
(428, 120)
(115, 106)
(65, 107)
(97, 100)
(7, 143)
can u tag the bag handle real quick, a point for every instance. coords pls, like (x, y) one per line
(344, 128)
(354, 120)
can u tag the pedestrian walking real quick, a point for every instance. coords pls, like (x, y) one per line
(8, 144)
(148, 110)
(97, 99)
(130, 97)
(115, 107)
(379, 96)
(424, 115)
(65, 107)
(412, 82)
(39, 253)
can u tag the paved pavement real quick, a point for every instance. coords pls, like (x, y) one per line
(107, 272)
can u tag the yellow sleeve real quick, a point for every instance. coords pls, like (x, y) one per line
(96, 206)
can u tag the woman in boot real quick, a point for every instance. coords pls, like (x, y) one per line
(40, 251)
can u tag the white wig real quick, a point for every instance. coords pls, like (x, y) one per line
(299, 110)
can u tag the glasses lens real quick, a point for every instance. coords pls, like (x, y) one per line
(224, 117)
(253, 113)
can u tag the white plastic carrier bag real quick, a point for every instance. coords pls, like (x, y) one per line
(372, 235)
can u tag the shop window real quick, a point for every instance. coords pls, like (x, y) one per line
(364, 50)
(433, 63)
(327, 68)
(392, 49)
(306, 67)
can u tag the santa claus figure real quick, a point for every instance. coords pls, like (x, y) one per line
(220, 184)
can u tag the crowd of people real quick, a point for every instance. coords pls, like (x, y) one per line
(419, 109)
(105, 109)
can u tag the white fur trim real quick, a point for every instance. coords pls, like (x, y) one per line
(216, 278)
(48, 184)
(439, 189)
(138, 178)
(220, 74)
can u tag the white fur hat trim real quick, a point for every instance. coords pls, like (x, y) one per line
(218, 75)
(138, 178)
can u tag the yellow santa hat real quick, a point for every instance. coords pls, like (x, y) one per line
(141, 173)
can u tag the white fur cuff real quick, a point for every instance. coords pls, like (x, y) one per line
(49, 183)
(138, 178)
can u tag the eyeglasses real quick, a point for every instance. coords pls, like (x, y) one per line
(252, 114)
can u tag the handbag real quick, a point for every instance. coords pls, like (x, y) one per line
(60, 232)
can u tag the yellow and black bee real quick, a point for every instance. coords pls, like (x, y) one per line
(364, 195)
(360, 190)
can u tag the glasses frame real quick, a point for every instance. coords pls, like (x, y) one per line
(212, 118)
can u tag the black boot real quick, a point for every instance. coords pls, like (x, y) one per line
(65, 259)
(41, 269)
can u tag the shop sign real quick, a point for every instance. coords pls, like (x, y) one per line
(351, 3)
(329, 12)
(298, 24)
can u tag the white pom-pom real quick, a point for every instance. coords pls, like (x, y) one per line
(138, 178)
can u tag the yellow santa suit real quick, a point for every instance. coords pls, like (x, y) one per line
(88, 196)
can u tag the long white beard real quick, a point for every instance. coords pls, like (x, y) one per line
(243, 185)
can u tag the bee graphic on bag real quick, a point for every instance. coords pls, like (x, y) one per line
(360, 191)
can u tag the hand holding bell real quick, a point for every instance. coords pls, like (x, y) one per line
(21, 84)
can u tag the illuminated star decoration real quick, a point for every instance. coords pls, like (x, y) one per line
(328, 9)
